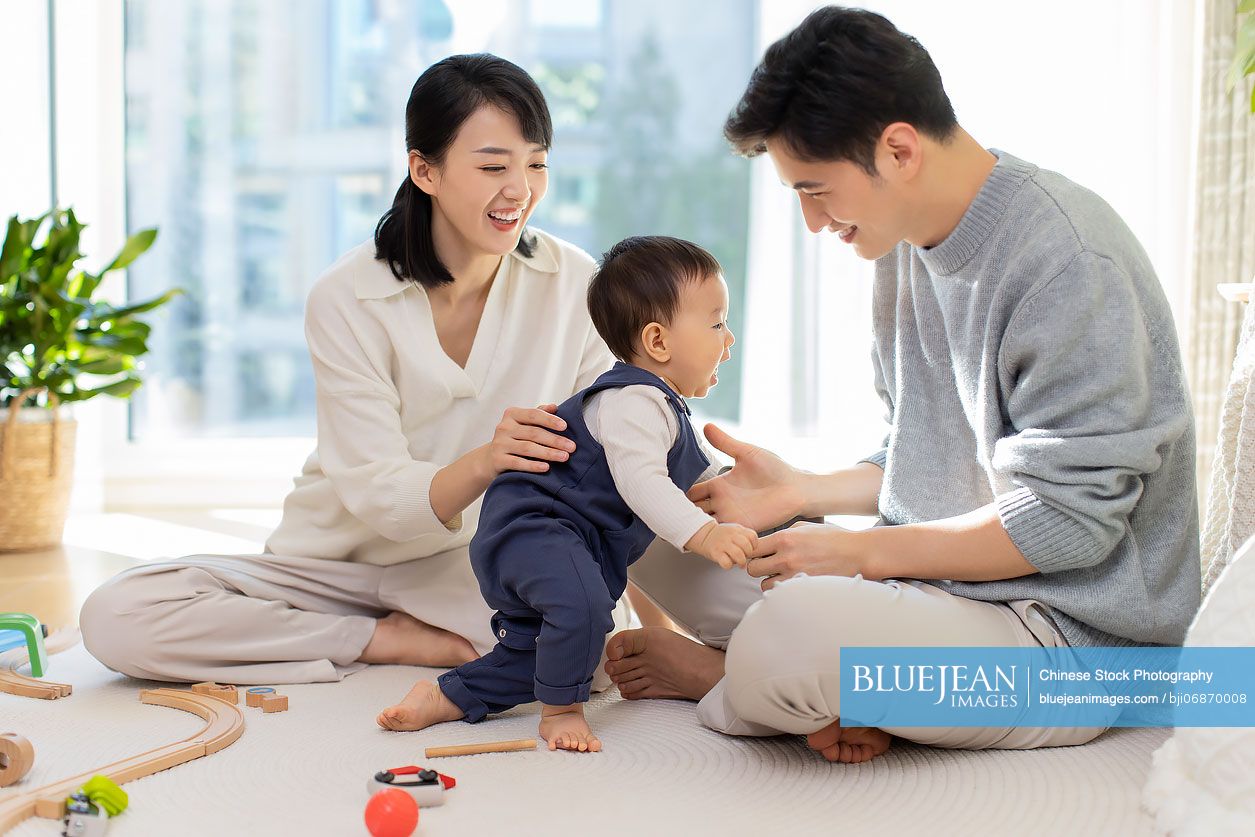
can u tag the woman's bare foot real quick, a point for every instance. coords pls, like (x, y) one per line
(657, 663)
(423, 706)
(564, 728)
(401, 639)
(849, 745)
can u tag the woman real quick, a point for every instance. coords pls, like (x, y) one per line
(424, 342)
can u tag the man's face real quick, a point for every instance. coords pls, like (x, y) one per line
(841, 197)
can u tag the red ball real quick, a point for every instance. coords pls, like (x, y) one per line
(391, 813)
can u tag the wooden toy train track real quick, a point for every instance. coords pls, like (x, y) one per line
(224, 724)
(19, 684)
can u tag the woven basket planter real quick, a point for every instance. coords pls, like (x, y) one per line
(36, 473)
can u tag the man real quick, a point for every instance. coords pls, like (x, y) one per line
(1039, 470)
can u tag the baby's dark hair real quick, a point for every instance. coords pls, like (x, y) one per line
(638, 282)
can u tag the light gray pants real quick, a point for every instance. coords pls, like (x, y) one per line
(782, 670)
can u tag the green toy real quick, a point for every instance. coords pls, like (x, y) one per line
(29, 627)
(88, 809)
(105, 793)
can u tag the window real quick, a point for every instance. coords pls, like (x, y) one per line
(26, 152)
(266, 138)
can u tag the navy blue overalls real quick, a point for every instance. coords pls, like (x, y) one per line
(551, 555)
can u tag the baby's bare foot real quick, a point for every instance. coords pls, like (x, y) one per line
(657, 663)
(564, 728)
(400, 639)
(849, 745)
(423, 706)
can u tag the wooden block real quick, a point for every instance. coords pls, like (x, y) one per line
(16, 757)
(254, 697)
(274, 703)
(227, 694)
(50, 808)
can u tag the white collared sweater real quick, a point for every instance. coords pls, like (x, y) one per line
(393, 408)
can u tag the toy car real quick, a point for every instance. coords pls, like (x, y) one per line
(83, 818)
(426, 786)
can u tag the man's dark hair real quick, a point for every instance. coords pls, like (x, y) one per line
(442, 99)
(638, 282)
(830, 87)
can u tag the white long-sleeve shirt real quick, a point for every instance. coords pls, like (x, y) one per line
(393, 408)
(637, 427)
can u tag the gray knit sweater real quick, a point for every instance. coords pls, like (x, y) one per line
(1030, 359)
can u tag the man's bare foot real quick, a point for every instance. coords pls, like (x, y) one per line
(849, 745)
(401, 639)
(564, 728)
(657, 663)
(423, 706)
(649, 614)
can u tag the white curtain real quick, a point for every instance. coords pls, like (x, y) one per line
(1224, 379)
(1224, 252)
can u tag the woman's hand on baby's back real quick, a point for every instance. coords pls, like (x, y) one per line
(527, 439)
(727, 544)
(761, 491)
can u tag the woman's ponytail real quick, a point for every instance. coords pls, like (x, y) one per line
(403, 238)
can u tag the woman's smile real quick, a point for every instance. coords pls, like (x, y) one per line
(506, 220)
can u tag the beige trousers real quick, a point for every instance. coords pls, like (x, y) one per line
(275, 619)
(783, 647)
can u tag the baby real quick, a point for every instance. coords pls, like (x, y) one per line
(552, 550)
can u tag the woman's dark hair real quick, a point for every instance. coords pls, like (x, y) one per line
(638, 282)
(443, 98)
(831, 86)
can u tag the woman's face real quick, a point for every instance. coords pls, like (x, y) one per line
(487, 186)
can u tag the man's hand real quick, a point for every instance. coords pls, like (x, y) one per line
(761, 490)
(727, 544)
(811, 548)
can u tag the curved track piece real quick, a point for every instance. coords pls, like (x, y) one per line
(224, 724)
(24, 686)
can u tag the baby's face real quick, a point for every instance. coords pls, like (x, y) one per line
(700, 337)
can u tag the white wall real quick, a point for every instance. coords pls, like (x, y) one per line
(24, 148)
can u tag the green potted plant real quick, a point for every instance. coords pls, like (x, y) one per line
(58, 345)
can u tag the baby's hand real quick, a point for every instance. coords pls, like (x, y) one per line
(727, 544)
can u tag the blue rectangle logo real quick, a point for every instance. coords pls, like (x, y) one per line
(1048, 687)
